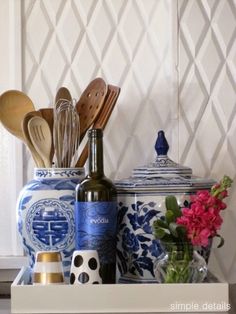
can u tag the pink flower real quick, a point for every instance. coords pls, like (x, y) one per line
(202, 219)
(223, 194)
(201, 238)
(221, 205)
(200, 196)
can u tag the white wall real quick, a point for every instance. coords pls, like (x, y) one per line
(11, 148)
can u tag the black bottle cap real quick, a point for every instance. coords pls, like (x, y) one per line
(95, 133)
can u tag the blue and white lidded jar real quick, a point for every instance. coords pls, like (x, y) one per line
(45, 209)
(141, 200)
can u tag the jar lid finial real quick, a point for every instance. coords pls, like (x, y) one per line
(161, 145)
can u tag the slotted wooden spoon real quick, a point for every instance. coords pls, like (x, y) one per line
(37, 159)
(90, 104)
(102, 119)
(41, 138)
(14, 105)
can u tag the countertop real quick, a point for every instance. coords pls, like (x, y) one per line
(5, 303)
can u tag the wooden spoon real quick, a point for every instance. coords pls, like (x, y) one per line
(38, 160)
(62, 94)
(41, 138)
(102, 119)
(90, 104)
(14, 105)
(47, 114)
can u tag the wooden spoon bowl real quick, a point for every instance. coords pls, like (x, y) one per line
(14, 105)
(41, 137)
(63, 94)
(37, 159)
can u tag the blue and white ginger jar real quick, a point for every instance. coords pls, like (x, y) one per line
(141, 200)
(45, 209)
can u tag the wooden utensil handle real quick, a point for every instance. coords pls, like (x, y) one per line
(83, 156)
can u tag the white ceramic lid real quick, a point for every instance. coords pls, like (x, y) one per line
(163, 174)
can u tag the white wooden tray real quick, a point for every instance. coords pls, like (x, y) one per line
(117, 298)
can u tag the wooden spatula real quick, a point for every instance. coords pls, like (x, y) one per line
(41, 138)
(90, 104)
(37, 159)
(102, 119)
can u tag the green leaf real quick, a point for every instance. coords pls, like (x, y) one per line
(170, 217)
(176, 230)
(172, 204)
(222, 241)
(159, 233)
(173, 229)
(181, 230)
(161, 223)
(167, 238)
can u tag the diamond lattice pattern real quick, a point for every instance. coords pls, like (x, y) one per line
(207, 103)
(128, 43)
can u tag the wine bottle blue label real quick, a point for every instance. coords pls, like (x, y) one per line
(96, 228)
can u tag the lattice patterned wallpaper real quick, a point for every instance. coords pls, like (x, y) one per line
(129, 44)
(207, 103)
(137, 44)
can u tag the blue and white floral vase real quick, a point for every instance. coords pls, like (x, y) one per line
(45, 210)
(141, 200)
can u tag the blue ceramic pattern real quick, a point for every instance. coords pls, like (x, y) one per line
(50, 224)
(137, 248)
(46, 219)
(141, 199)
(69, 173)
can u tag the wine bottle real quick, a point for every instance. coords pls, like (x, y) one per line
(96, 210)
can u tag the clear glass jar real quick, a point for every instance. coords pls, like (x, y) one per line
(179, 263)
